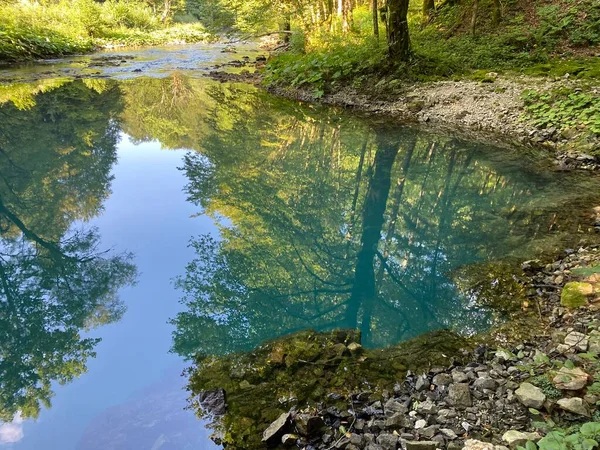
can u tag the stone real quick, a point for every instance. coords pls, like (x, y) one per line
(289, 439)
(393, 406)
(354, 347)
(474, 444)
(594, 342)
(574, 405)
(308, 425)
(213, 401)
(570, 379)
(356, 439)
(577, 341)
(575, 293)
(387, 441)
(422, 383)
(373, 446)
(421, 423)
(276, 430)
(427, 407)
(459, 395)
(530, 395)
(485, 383)
(515, 438)
(448, 433)
(442, 379)
(398, 420)
(420, 445)
(459, 376)
(430, 431)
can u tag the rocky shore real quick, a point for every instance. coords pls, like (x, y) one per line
(494, 397)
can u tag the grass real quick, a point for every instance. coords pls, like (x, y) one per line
(40, 30)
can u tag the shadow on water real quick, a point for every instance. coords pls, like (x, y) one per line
(325, 221)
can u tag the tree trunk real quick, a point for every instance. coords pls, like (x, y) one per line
(375, 19)
(397, 28)
(428, 9)
(496, 12)
(364, 291)
(286, 26)
(474, 18)
(166, 11)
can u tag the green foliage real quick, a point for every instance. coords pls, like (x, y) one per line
(329, 68)
(545, 384)
(40, 30)
(563, 109)
(587, 437)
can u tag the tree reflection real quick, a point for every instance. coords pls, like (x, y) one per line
(326, 221)
(56, 155)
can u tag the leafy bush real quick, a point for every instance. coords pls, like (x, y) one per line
(325, 68)
(586, 438)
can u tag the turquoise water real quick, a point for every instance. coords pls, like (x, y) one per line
(144, 221)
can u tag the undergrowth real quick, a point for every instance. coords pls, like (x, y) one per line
(545, 37)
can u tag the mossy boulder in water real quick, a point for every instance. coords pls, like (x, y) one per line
(575, 293)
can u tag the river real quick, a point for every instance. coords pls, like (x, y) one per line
(149, 214)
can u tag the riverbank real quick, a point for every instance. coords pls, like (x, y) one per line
(491, 392)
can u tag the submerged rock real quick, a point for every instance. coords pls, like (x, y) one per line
(273, 434)
(213, 401)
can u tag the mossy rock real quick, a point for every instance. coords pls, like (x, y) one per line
(575, 293)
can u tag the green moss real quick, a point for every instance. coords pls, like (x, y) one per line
(316, 364)
(574, 294)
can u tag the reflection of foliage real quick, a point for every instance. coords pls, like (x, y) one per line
(327, 222)
(302, 369)
(55, 162)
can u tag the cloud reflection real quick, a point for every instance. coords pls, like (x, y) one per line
(12, 432)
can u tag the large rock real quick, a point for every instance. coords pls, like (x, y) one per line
(574, 405)
(574, 294)
(515, 438)
(213, 401)
(530, 396)
(459, 395)
(570, 379)
(273, 434)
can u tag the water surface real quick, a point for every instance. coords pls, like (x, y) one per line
(147, 220)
